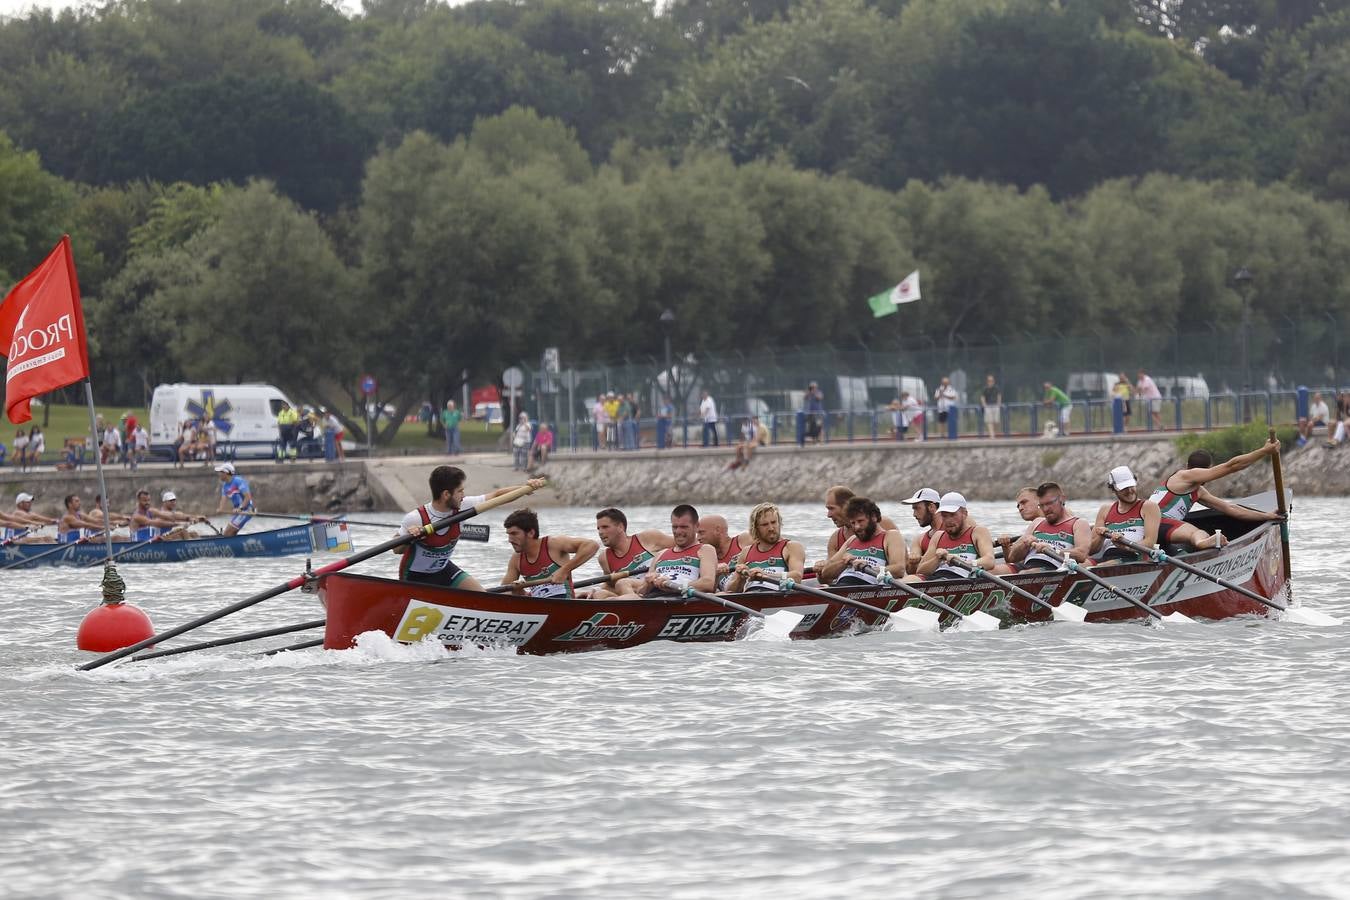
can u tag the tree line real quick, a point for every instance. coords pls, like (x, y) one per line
(269, 189)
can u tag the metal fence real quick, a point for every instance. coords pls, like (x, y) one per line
(1209, 378)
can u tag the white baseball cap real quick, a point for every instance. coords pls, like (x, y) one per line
(226, 468)
(924, 495)
(1120, 478)
(23, 497)
(951, 502)
(167, 496)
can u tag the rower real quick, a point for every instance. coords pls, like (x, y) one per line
(427, 560)
(685, 564)
(1055, 530)
(712, 530)
(106, 520)
(554, 557)
(1129, 515)
(835, 499)
(959, 537)
(76, 525)
(1182, 489)
(18, 526)
(625, 552)
(23, 511)
(1029, 508)
(146, 524)
(924, 505)
(169, 510)
(868, 551)
(767, 551)
(235, 491)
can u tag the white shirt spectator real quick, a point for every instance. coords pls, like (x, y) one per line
(112, 439)
(1146, 389)
(910, 409)
(141, 438)
(708, 409)
(1319, 412)
(37, 445)
(946, 397)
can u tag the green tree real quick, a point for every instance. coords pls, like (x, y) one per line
(35, 208)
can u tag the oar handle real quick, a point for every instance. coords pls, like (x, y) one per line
(787, 584)
(298, 581)
(1277, 468)
(1158, 555)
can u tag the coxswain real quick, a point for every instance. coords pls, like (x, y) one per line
(959, 537)
(1129, 516)
(234, 490)
(835, 499)
(712, 530)
(1184, 488)
(625, 552)
(685, 564)
(868, 552)
(924, 505)
(551, 558)
(76, 525)
(767, 551)
(427, 560)
(1054, 530)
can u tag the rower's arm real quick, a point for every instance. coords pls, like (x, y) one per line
(897, 559)
(984, 547)
(1082, 541)
(835, 565)
(1098, 527)
(1198, 477)
(1234, 510)
(1152, 519)
(741, 574)
(582, 551)
(1022, 546)
(794, 554)
(654, 539)
(535, 483)
(930, 560)
(707, 570)
(512, 571)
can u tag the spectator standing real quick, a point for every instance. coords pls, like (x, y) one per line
(911, 411)
(612, 421)
(21, 449)
(140, 445)
(897, 420)
(521, 438)
(1147, 391)
(813, 404)
(1122, 390)
(945, 396)
(665, 412)
(707, 409)
(1062, 404)
(288, 432)
(450, 418)
(634, 426)
(601, 420)
(333, 430)
(992, 400)
(625, 420)
(206, 440)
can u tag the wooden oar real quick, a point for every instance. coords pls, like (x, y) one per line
(236, 639)
(779, 624)
(303, 645)
(1298, 614)
(979, 620)
(585, 582)
(1280, 506)
(509, 497)
(334, 517)
(907, 618)
(57, 549)
(1073, 566)
(1064, 612)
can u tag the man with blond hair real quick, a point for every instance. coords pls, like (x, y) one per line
(769, 551)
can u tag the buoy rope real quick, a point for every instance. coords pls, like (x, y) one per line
(114, 588)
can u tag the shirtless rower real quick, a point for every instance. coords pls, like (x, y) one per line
(554, 557)
(924, 505)
(960, 537)
(835, 498)
(427, 560)
(767, 550)
(685, 564)
(106, 519)
(1183, 488)
(20, 524)
(75, 525)
(148, 525)
(625, 552)
(868, 551)
(712, 530)
(1129, 515)
(1054, 530)
(169, 510)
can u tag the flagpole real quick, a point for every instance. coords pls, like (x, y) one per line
(98, 461)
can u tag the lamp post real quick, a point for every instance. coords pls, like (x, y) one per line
(667, 322)
(1243, 279)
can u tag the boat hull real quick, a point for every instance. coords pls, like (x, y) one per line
(411, 612)
(289, 541)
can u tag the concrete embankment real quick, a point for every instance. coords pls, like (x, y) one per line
(982, 470)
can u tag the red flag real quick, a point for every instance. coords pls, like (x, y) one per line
(42, 333)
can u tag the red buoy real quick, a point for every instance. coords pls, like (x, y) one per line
(112, 626)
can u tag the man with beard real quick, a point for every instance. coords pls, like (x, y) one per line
(625, 552)
(960, 538)
(1129, 515)
(870, 550)
(924, 505)
(767, 551)
(146, 524)
(835, 499)
(551, 559)
(712, 530)
(685, 564)
(1055, 530)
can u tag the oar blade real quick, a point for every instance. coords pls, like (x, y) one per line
(781, 623)
(979, 621)
(1068, 612)
(911, 618)
(1176, 618)
(1301, 615)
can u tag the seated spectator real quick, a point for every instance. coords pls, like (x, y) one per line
(542, 446)
(71, 459)
(1318, 414)
(754, 433)
(37, 445)
(21, 449)
(186, 444)
(1342, 419)
(111, 450)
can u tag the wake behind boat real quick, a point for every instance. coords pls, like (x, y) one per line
(288, 541)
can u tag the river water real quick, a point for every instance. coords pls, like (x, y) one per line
(1051, 761)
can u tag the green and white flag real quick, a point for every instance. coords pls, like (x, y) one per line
(907, 291)
(881, 304)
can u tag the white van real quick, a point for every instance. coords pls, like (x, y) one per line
(245, 414)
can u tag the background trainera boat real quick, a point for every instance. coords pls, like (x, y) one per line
(411, 612)
(291, 540)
